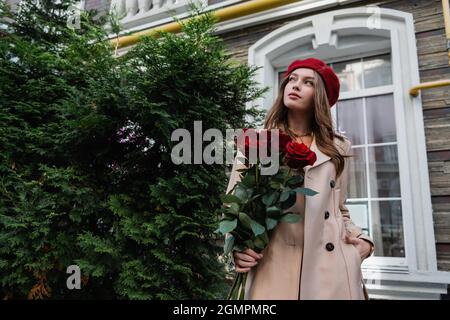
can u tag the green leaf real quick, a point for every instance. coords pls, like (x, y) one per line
(256, 196)
(290, 218)
(228, 216)
(285, 195)
(249, 180)
(241, 192)
(290, 201)
(274, 185)
(227, 226)
(249, 244)
(279, 177)
(229, 198)
(250, 193)
(229, 243)
(230, 213)
(257, 228)
(269, 198)
(234, 208)
(239, 246)
(271, 223)
(305, 191)
(265, 237)
(295, 181)
(259, 243)
(273, 210)
(251, 224)
(245, 220)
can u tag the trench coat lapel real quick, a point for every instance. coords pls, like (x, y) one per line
(321, 157)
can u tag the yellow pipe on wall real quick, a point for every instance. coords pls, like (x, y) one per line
(414, 91)
(223, 14)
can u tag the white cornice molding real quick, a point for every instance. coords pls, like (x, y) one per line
(306, 6)
(293, 9)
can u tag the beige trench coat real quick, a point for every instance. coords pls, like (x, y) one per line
(310, 259)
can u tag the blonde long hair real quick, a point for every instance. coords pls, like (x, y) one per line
(322, 124)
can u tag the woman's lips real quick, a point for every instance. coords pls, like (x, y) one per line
(293, 96)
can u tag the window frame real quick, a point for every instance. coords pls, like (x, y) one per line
(395, 263)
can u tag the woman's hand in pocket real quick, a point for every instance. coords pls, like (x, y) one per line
(363, 246)
(245, 260)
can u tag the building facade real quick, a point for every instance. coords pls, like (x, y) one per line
(399, 190)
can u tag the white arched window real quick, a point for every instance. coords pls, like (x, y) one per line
(373, 50)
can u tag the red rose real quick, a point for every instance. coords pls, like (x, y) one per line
(265, 138)
(298, 155)
(248, 141)
(283, 140)
(256, 141)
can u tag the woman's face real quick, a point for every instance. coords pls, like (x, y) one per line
(299, 91)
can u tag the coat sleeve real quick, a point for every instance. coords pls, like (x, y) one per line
(235, 177)
(351, 228)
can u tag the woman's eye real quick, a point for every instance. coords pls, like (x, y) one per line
(307, 81)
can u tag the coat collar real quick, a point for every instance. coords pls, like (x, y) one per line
(320, 156)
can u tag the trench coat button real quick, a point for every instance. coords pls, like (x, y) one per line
(327, 214)
(330, 246)
(332, 183)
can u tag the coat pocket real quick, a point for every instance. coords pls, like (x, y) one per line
(356, 252)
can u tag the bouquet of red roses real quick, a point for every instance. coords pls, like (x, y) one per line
(258, 202)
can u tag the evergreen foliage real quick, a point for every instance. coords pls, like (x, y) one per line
(86, 176)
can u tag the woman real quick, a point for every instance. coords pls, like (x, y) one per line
(320, 256)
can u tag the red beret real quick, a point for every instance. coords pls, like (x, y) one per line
(327, 74)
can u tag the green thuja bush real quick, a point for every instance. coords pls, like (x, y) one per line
(86, 176)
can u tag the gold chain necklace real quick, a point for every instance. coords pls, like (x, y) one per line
(301, 135)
